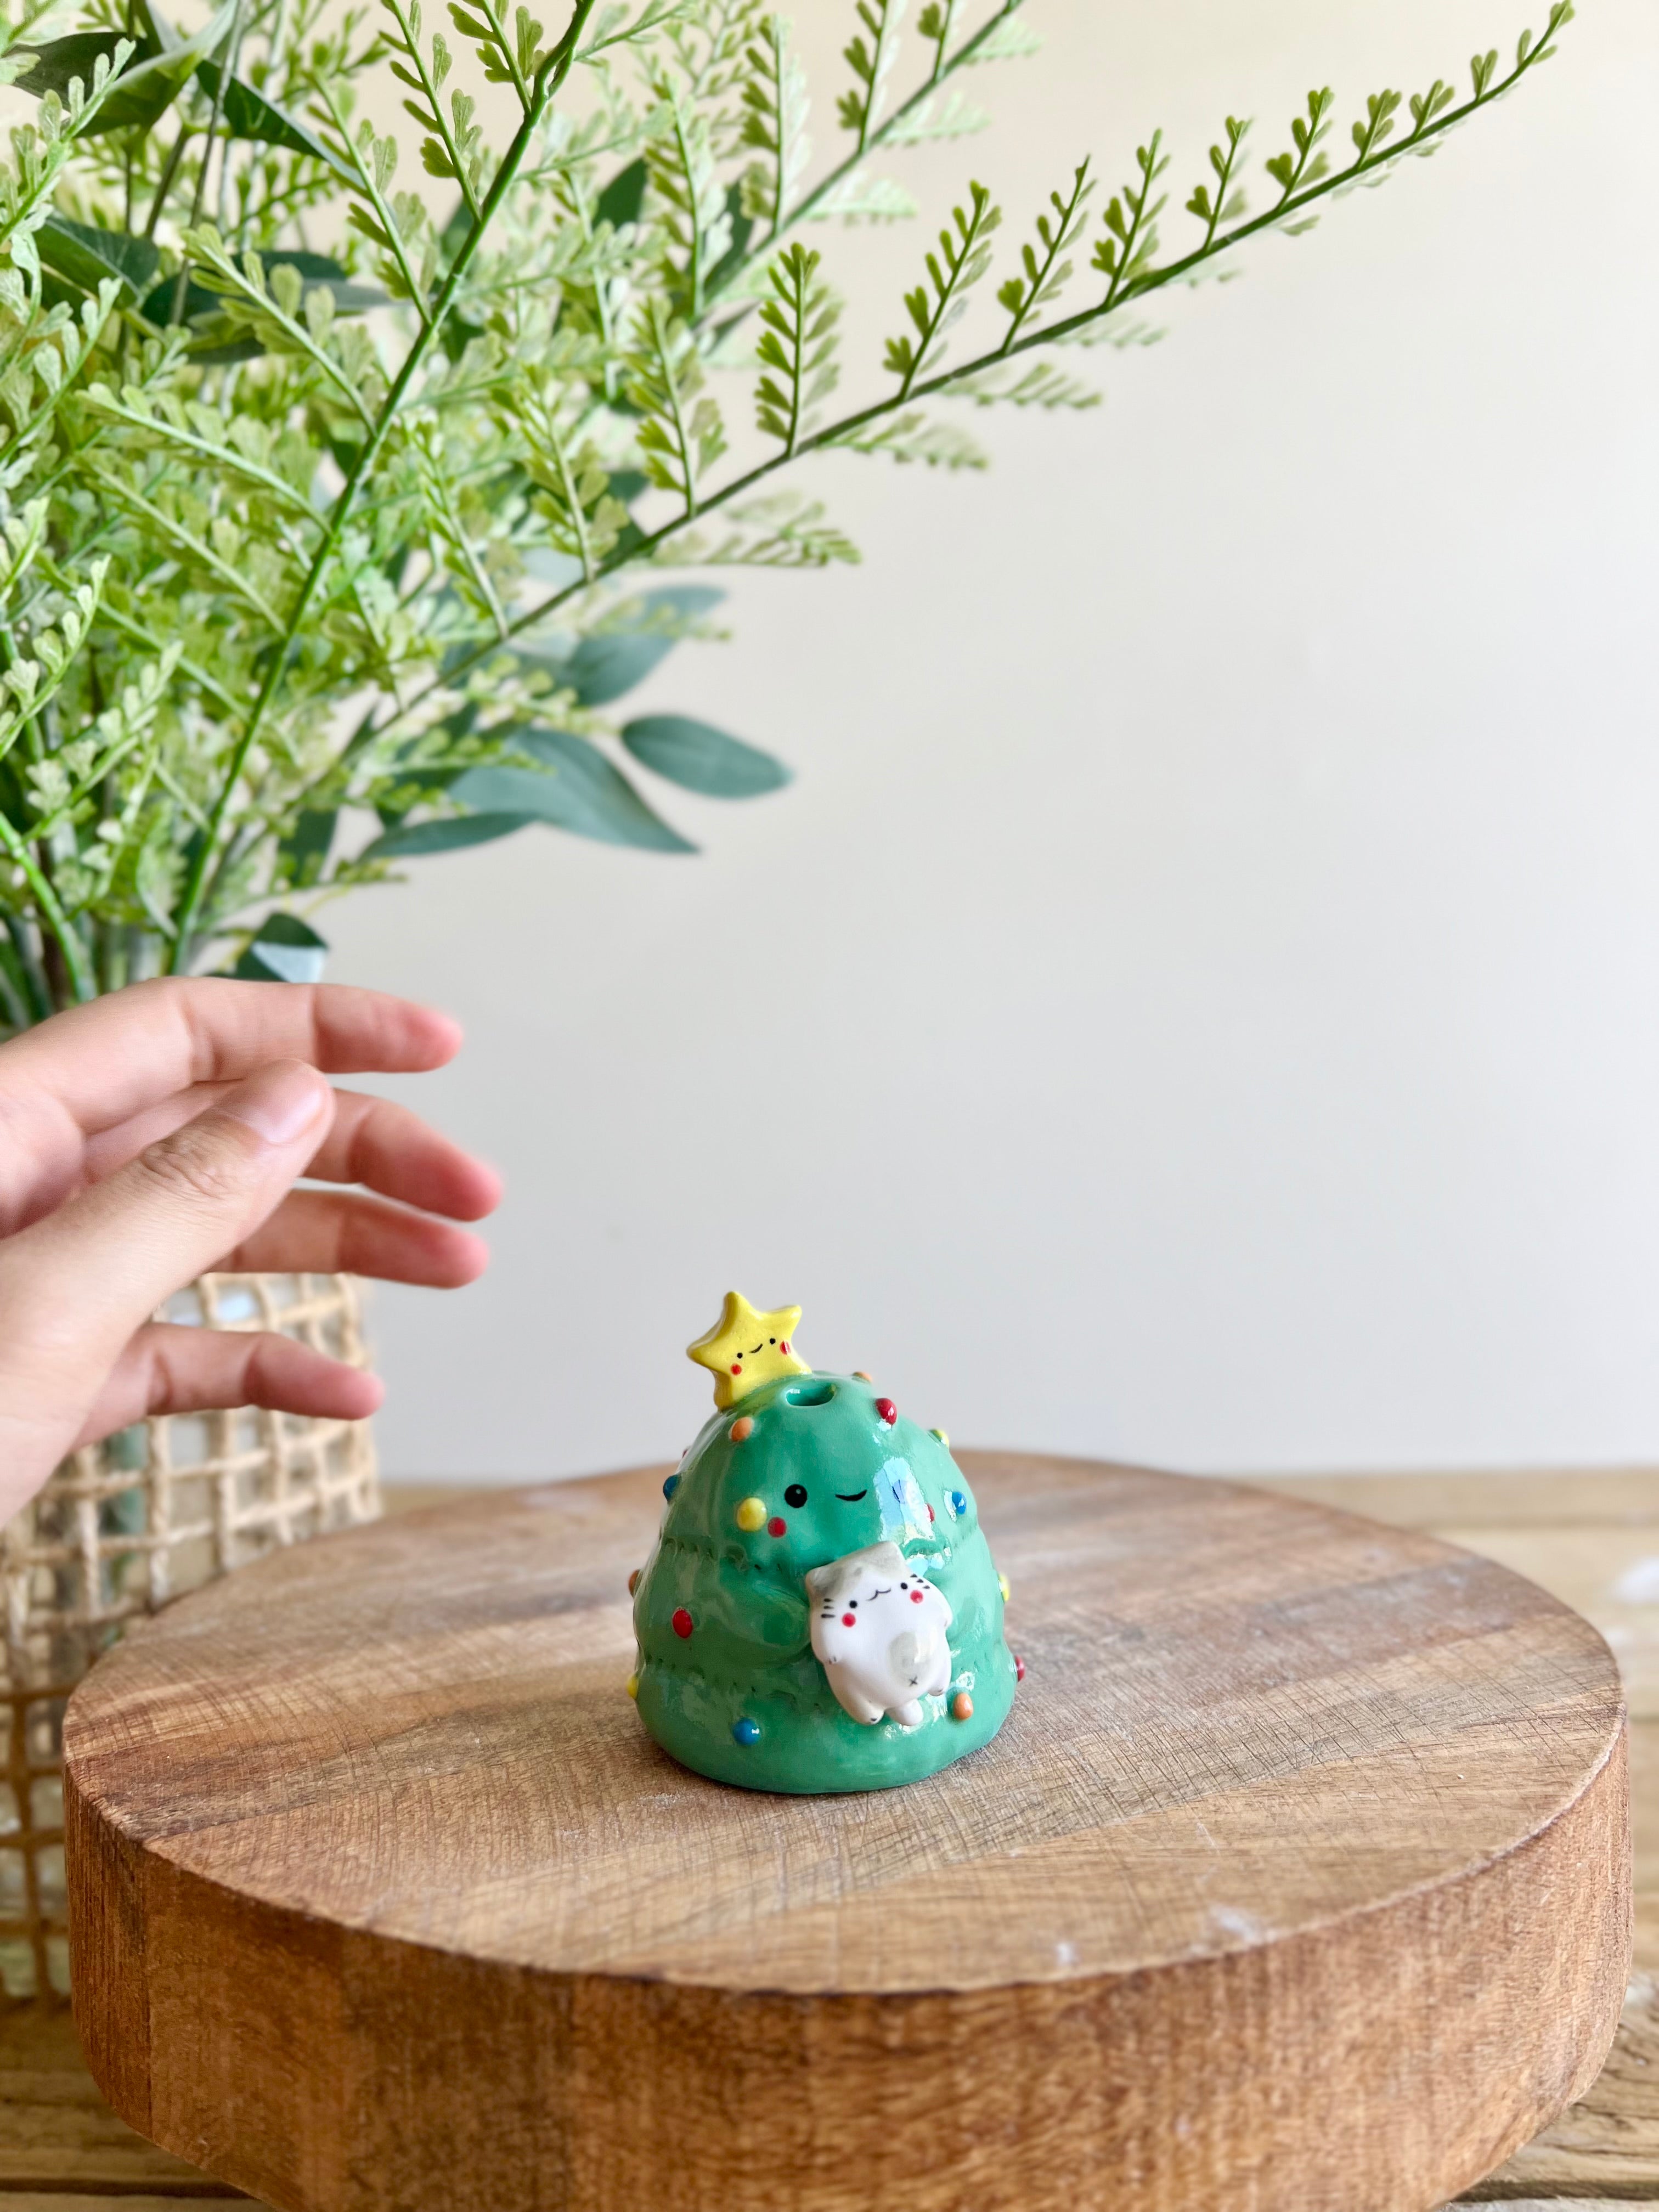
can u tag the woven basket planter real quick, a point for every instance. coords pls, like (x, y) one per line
(125, 1525)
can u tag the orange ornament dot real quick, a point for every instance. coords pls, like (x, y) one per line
(633, 1582)
(742, 1429)
(962, 1706)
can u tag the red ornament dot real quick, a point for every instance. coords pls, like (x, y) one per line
(888, 1410)
(682, 1622)
(931, 1514)
(777, 1526)
(1020, 1667)
(849, 1620)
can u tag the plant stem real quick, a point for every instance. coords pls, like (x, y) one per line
(14, 997)
(228, 70)
(234, 39)
(548, 77)
(27, 966)
(170, 170)
(63, 934)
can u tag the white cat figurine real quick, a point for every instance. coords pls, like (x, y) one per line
(878, 1625)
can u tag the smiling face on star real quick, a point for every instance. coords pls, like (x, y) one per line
(746, 1348)
(749, 1359)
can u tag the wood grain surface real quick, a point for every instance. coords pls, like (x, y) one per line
(1299, 1879)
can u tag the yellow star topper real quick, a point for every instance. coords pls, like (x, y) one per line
(745, 1348)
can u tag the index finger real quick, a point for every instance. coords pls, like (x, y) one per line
(101, 1063)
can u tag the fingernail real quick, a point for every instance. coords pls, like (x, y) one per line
(279, 1103)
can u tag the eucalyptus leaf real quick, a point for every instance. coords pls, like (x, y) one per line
(351, 296)
(742, 229)
(584, 794)
(447, 836)
(623, 196)
(54, 66)
(602, 668)
(246, 113)
(284, 950)
(202, 305)
(85, 256)
(700, 757)
(304, 853)
(614, 659)
(146, 88)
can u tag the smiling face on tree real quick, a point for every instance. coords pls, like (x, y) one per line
(811, 1470)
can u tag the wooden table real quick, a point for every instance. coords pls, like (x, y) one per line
(1585, 1536)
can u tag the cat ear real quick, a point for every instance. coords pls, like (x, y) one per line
(819, 1579)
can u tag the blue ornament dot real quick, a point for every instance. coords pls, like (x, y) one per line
(746, 1731)
(671, 1485)
(958, 1502)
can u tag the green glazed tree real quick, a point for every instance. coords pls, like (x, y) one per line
(801, 1471)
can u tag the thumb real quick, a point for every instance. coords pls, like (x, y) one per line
(96, 1269)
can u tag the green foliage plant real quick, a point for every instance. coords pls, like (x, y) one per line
(312, 562)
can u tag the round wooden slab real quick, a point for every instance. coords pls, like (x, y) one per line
(1298, 1881)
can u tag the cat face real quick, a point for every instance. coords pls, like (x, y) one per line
(877, 1572)
(879, 1626)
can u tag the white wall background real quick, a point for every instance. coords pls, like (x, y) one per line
(1199, 1000)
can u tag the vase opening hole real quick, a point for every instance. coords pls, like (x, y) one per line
(815, 1393)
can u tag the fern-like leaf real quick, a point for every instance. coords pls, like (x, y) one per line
(775, 125)
(797, 346)
(1045, 273)
(870, 56)
(1126, 251)
(963, 257)
(1225, 201)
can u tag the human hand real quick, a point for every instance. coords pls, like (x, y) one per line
(155, 1135)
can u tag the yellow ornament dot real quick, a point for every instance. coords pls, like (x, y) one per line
(942, 1436)
(633, 1685)
(1002, 1584)
(751, 1514)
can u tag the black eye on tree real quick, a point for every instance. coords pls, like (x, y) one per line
(795, 1495)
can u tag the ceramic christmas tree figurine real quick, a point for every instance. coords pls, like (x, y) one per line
(821, 1612)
